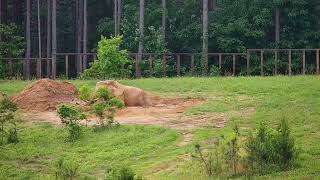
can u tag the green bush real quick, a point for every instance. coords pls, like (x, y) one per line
(122, 173)
(114, 102)
(215, 71)
(269, 149)
(85, 93)
(103, 93)
(71, 117)
(112, 62)
(7, 110)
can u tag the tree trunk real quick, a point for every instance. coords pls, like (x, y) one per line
(48, 38)
(141, 33)
(85, 29)
(17, 16)
(79, 25)
(4, 11)
(164, 17)
(119, 16)
(28, 40)
(277, 26)
(54, 38)
(205, 36)
(115, 17)
(39, 41)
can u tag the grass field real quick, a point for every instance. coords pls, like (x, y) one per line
(154, 152)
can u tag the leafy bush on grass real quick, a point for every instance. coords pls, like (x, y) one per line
(64, 169)
(112, 62)
(7, 110)
(71, 117)
(103, 105)
(122, 173)
(269, 149)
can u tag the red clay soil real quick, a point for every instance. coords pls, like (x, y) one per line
(46, 95)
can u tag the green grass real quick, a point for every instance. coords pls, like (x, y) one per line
(148, 148)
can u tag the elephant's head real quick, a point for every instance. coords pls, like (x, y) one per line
(115, 88)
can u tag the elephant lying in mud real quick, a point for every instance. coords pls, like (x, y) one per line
(131, 96)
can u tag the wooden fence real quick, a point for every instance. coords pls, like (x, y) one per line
(81, 61)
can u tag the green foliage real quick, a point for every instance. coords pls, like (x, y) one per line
(112, 62)
(71, 117)
(7, 110)
(11, 46)
(122, 173)
(215, 71)
(211, 160)
(66, 169)
(114, 102)
(233, 155)
(103, 93)
(269, 149)
(85, 93)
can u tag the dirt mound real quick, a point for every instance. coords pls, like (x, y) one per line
(46, 95)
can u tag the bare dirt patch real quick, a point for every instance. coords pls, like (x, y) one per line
(45, 95)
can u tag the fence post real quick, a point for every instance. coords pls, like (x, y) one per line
(178, 64)
(151, 65)
(289, 62)
(261, 62)
(317, 59)
(192, 64)
(276, 62)
(248, 63)
(304, 62)
(138, 72)
(39, 73)
(67, 66)
(234, 65)
(164, 65)
(10, 69)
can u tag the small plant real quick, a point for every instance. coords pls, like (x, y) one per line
(7, 110)
(233, 150)
(66, 169)
(104, 94)
(211, 160)
(215, 71)
(123, 173)
(71, 117)
(85, 93)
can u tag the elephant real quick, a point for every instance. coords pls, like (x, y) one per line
(131, 96)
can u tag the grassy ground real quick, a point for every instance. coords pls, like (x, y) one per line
(154, 152)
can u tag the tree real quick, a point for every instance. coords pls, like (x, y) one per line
(54, 39)
(79, 25)
(85, 31)
(39, 41)
(164, 18)
(49, 34)
(28, 39)
(205, 36)
(141, 34)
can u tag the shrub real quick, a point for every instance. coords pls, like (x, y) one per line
(215, 71)
(71, 117)
(85, 93)
(7, 110)
(104, 94)
(114, 102)
(111, 61)
(269, 149)
(66, 169)
(122, 173)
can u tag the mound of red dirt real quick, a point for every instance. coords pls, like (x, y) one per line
(46, 95)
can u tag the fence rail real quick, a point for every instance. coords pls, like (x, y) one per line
(80, 61)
